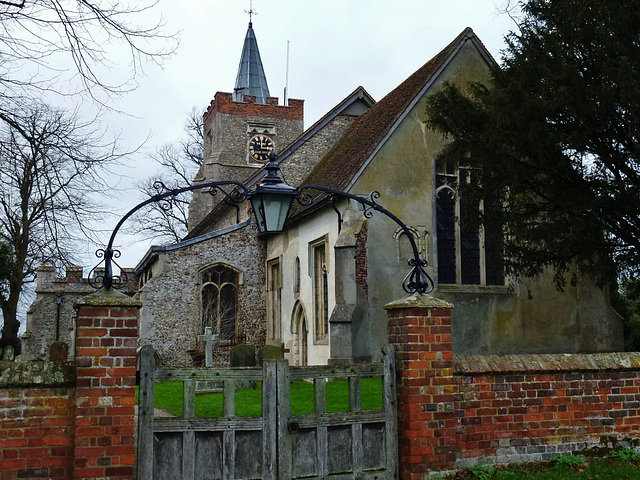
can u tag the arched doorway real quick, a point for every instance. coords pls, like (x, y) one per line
(300, 337)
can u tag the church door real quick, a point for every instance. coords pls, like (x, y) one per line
(301, 337)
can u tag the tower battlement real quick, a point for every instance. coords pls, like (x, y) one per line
(223, 103)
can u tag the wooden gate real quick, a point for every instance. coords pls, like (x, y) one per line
(354, 444)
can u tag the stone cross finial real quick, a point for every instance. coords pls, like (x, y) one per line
(208, 338)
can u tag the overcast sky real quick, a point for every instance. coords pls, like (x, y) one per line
(335, 46)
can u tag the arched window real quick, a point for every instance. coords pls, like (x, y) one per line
(220, 300)
(468, 254)
(446, 231)
(296, 278)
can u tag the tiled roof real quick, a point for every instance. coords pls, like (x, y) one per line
(359, 94)
(344, 160)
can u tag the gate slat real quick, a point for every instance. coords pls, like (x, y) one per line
(270, 418)
(322, 443)
(188, 399)
(229, 455)
(229, 398)
(284, 413)
(189, 454)
(145, 412)
(390, 403)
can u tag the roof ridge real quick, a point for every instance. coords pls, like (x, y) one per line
(363, 135)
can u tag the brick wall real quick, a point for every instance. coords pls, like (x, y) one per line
(223, 103)
(64, 421)
(535, 407)
(361, 259)
(36, 420)
(420, 330)
(104, 445)
(455, 411)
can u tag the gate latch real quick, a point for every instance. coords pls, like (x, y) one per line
(293, 426)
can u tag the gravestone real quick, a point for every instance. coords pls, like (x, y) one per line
(242, 356)
(7, 353)
(270, 352)
(209, 338)
(59, 352)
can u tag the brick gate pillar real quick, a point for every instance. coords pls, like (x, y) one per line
(420, 330)
(107, 333)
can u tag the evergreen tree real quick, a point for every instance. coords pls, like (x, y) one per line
(556, 139)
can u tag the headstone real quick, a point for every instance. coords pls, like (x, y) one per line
(270, 352)
(208, 338)
(59, 352)
(243, 356)
(8, 353)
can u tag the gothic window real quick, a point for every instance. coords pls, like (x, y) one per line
(274, 301)
(296, 278)
(220, 300)
(320, 291)
(467, 254)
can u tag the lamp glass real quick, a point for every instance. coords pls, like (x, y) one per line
(271, 210)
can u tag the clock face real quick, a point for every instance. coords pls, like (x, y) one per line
(260, 147)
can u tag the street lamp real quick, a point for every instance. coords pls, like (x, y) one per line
(271, 202)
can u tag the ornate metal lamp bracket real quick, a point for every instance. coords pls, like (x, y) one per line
(239, 193)
(417, 280)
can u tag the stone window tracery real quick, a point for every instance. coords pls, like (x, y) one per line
(219, 300)
(467, 254)
(320, 291)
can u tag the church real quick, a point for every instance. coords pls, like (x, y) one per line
(318, 289)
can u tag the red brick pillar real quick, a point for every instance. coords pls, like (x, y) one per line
(420, 330)
(107, 333)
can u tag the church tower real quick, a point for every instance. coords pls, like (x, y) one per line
(242, 128)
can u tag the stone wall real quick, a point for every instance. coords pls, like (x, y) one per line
(171, 315)
(51, 317)
(298, 164)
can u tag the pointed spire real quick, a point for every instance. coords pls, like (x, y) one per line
(251, 79)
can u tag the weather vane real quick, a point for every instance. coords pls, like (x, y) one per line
(251, 12)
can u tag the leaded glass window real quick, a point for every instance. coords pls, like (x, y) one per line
(219, 300)
(467, 253)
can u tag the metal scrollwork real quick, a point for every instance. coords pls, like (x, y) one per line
(98, 277)
(417, 280)
(368, 208)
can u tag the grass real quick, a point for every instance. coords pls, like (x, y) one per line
(168, 396)
(595, 469)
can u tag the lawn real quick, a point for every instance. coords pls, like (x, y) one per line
(168, 396)
(622, 465)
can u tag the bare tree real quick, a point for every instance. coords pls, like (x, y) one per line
(40, 38)
(178, 164)
(50, 169)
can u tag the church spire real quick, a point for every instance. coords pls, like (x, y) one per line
(251, 79)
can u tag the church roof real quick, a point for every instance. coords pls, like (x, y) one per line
(251, 79)
(358, 97)
(339, 168)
